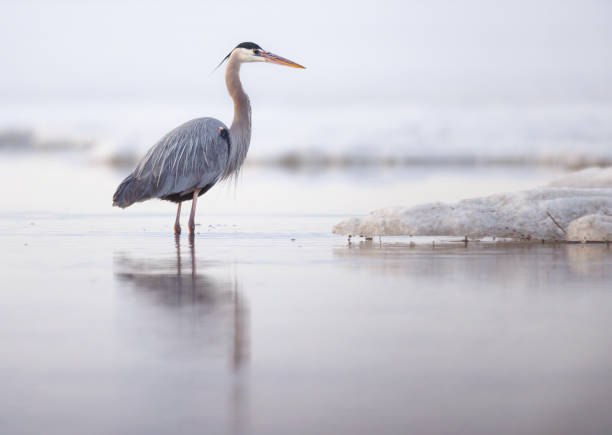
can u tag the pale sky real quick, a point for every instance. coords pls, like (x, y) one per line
(382, 50)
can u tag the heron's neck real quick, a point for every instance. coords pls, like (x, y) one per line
(240, 130)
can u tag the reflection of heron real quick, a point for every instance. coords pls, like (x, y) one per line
(189, 160)
(172, 286)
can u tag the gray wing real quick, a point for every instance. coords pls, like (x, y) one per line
(192, 156)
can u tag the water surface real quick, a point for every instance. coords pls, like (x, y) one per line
(109, 330)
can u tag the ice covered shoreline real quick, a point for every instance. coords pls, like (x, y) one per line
(577, 207)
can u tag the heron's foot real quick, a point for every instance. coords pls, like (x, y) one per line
(177, 229)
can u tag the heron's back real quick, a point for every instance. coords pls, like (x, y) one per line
(192, 156)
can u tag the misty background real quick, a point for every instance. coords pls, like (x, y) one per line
(386, 80)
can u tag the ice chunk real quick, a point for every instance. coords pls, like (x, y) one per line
(590, 228)
(577, 206)
(528, 214)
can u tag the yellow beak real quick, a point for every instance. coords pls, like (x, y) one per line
(273, 58)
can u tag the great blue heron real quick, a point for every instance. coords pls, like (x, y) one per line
(193, 157)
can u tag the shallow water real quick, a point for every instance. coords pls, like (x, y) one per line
(238, 331)
(265, 323)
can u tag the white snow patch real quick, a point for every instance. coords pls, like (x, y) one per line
(529, 214)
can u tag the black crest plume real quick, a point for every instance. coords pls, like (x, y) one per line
(247, 45)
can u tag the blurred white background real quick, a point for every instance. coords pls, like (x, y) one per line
(473, 79)
(355, 51)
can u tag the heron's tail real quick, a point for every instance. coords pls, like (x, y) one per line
(128, 192)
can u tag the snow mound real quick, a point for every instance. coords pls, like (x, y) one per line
(531, 214)
(589, 228)
(591, 177)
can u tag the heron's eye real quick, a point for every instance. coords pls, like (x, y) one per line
(257, 52)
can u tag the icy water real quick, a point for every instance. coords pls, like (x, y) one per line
(139, 332)
(265, 323)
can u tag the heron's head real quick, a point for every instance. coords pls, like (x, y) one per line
(251, 52)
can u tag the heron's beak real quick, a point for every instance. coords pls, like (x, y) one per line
(273, 58)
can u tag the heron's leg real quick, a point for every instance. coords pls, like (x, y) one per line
(177, 222)
(193, 209)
